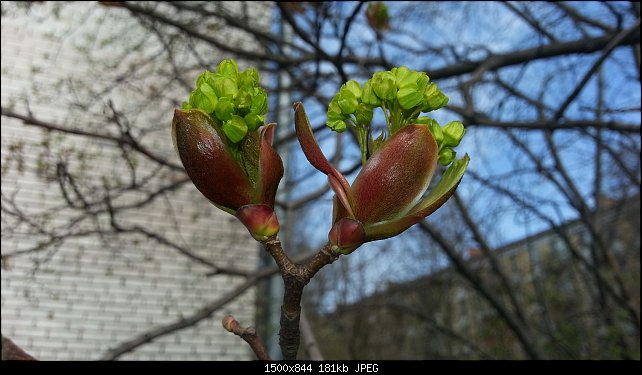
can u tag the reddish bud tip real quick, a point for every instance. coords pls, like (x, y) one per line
(347, 235)
(260, 220)
(229, 322)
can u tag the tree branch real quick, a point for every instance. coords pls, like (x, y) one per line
(248, 335)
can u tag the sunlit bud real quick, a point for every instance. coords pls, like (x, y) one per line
(384, 85)
(433, 98)
(228, 68)
(409, 97)
(347, 102)
(354, 87)
(229, 323)
(368, 95)
(453, 133)
(405, 78)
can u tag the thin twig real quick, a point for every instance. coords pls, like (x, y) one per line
(248, 335)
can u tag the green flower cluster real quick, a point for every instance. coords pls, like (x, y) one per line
(233, 99)
(402, 94)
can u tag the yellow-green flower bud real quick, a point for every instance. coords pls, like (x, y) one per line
(433, 98)
(422, 81)
(243, 102)
(408, 97)
(436, 131)
(364, 114)
(224, 109)
(208, 91)
(235, 129)
(453, 133)
(368, 95)
(228, 68)
(338, 126)
(225, 87)
(249, 78)
(447, 156)
(354, 87)
(384, 85)
(405, 78)
(253, 121)
(198, 99)
(259, 102)
(347, 102)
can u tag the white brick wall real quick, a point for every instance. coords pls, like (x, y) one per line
(76, 300)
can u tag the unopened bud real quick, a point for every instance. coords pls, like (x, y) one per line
(260, 220)
(346, 235)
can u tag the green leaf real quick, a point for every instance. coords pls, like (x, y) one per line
(235, 129)
(443, 190)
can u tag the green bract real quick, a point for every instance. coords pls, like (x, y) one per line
(402, 94)
(232, 99)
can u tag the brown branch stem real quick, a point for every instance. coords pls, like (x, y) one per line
(248, 335)
(295, 278)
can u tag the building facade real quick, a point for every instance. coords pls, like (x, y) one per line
(69, 292)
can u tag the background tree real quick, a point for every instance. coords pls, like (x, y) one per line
(549, 93)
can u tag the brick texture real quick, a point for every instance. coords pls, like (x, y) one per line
(78, 298)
